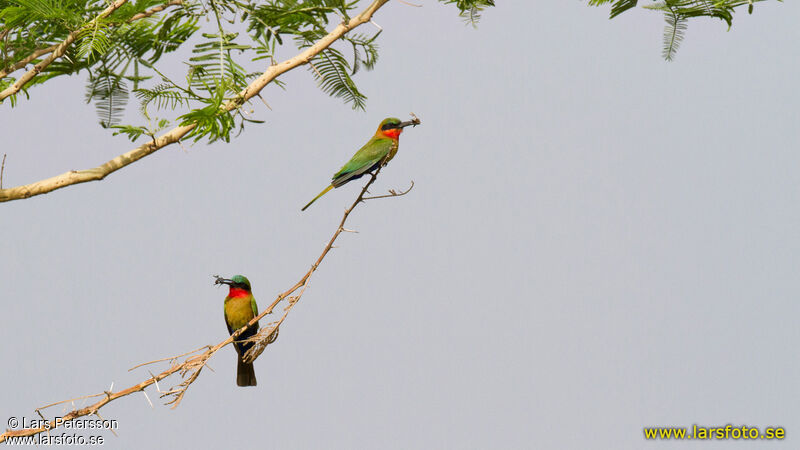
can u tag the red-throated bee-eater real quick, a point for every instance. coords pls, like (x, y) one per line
(377, 152)
(240, 308)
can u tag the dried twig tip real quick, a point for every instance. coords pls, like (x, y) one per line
(2, 169)
(392, 193)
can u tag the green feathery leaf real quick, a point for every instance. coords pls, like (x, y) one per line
(674, 31)
(332, 72)
(110, 93)
(470, 10)
(93, 42)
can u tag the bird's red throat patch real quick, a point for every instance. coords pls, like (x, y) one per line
(394, 133)
(236, 292)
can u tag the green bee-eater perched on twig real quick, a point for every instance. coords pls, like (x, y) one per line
(375, 153)
(240, 308)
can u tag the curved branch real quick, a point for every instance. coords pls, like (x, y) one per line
(43, 51)
(174, 135)
(155, 9)
(392, 193)
(58, 52)
(265, 335)
(27, 59)
(190, 368)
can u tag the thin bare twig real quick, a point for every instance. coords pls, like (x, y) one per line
(155, 9)
(191, 367)
(409, 4)
(392, 193)
(264, 340)
(2, 170)
(169, 358)
(68, 401)
(172, 136)
(314, 68)
(264, 102)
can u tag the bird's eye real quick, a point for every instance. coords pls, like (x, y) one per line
(389, 126)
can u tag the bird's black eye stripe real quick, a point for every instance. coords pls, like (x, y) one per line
(389, 126)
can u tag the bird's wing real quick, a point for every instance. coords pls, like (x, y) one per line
(255, 309)
(365, 158)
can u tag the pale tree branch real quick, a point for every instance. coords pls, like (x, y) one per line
(191, 366)
(24, 62)
(43, 51)
(155, 9)
(172, 136)
(58, 52)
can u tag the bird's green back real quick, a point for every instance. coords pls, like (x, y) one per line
(372, 153)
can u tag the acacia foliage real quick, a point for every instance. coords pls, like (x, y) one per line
(123, 53)
(677, 14)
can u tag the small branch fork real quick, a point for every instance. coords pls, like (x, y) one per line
(47, 50)
(392, 193)
(155, 9)
(175, 134)
(56, 53)
(190, 368)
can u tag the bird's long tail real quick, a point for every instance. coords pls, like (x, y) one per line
(325, 191)
(245, 374)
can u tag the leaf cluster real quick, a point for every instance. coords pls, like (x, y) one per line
(470, 10)
(230, 42)
(678, 12)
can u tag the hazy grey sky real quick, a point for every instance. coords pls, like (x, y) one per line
(598, 241)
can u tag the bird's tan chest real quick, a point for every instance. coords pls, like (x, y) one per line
(238, 311)
(392, 152)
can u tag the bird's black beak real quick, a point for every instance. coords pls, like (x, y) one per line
(413, 122)
(220, 280)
